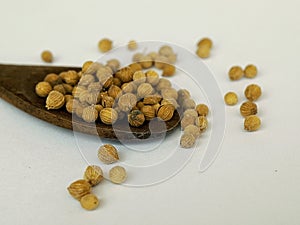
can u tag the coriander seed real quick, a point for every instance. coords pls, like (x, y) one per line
(108, 154)
(60, 88)
(252, 92)
(53, 79)
(193, 130)
(69, 97)
(186, 121)
(161, 61)
(248, 108)
(114, 64)
(202, 123)
(108, 116)
(93, 174)
(139, 77)
(168, 70)
(132, 45)
(148, 111)
(152, 99)
(135, 67)
(190, 112)
(187, 141)
(202, 109)
(203, 52)
(47, 56)
(55, 100)
(89, 202)
(171, 101)
(125, 74)
(43, 89)
(79, 188)
(89, 114)
(70, 77)
(144, 90)
(166, 112)
(136, 118)
(169, 93)
(146, 62)
(105, 45)
(71, 106)
(117, 175)
(152, 77)
(68, 88)
(231, 98)
(252, 123)
(235, 73)
(250, 71)
(127, 102)
(189, 104)
(137, 57)
(86, 65)
(205, 42)
(162, 84)
(166, 50)
(114, 91)
(86, 80)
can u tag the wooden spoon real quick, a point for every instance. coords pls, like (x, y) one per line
(17, 86)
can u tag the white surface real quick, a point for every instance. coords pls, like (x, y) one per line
(38, 160)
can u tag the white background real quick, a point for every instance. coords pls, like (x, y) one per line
(255, 179)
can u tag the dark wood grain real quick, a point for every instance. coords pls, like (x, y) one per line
(17, 85)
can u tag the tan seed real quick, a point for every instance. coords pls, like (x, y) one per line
(117, 175)
(231, 98)
(89, 202)
(108, 154)
(252, 123)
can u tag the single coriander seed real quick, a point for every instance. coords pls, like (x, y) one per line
(132, 45)
(248, 108)
(89, 114)
(187, 141)
(252, 123)
(93, 174)
(168, 70)
(203, 52)
(235, 73)
(79, 188)
(250, 71)
(136, 118)
(202, 109)
(105, 45)
(193, 130)
(43, 88)
(47, 56)
(117, 175)
(55, 100)
(108, 154)
(89, 202)
(205, 42)
(253, 92)
(231, 98)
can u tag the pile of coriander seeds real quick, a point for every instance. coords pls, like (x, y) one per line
(108, 93)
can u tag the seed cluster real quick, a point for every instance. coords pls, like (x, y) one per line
(194, 121)
(163, 60)
(236, 72)
(107, 93)
(93, 175)
(252, 93)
